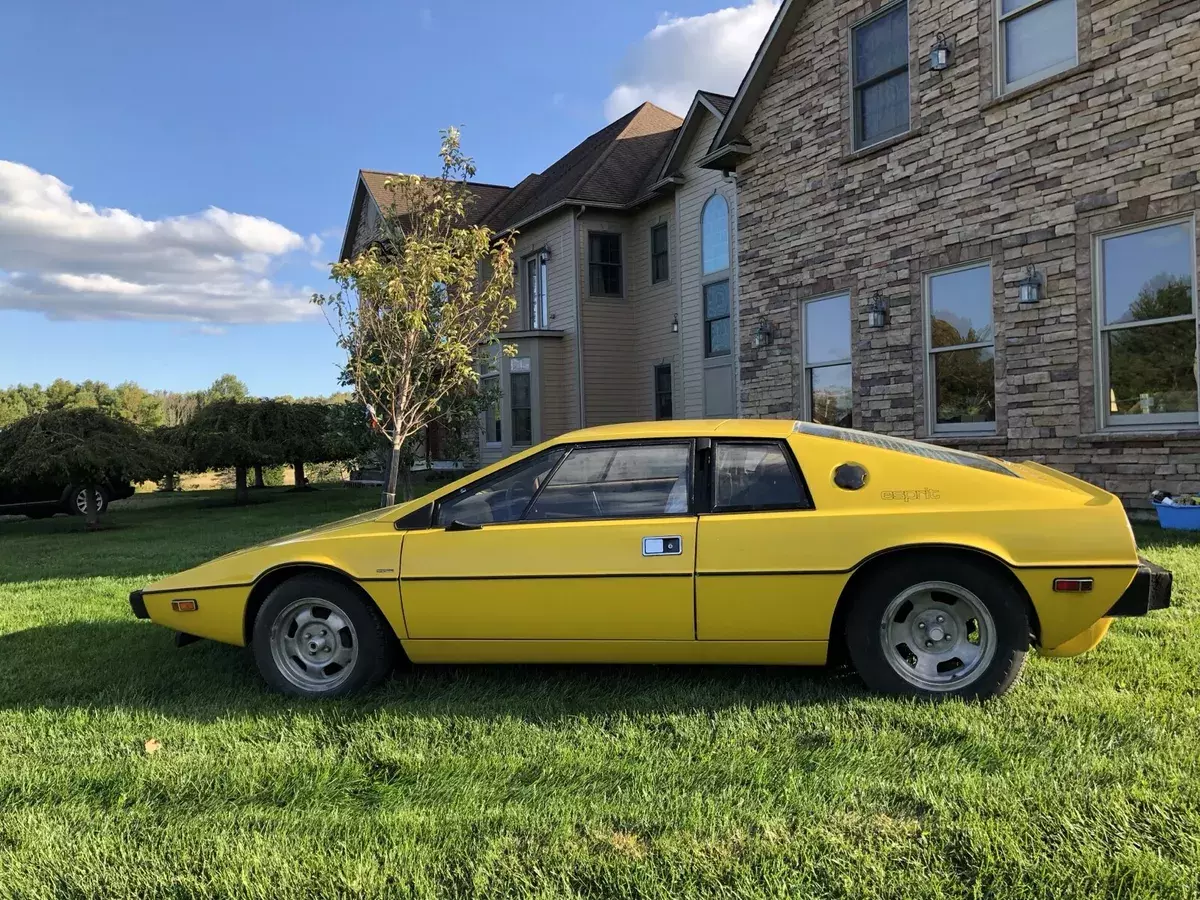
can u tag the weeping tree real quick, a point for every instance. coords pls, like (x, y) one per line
(227, 434)
(82, 447)
(413, 311)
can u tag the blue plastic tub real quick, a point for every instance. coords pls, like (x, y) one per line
(1180, 518)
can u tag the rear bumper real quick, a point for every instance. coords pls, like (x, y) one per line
(1150, 590)
(137, 603)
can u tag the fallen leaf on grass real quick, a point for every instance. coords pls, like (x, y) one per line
(152, 746)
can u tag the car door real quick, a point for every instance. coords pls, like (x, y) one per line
(755, 578)
(586, 542)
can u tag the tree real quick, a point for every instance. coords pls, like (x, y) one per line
(1154, 369)
(80, 447)
(413, 311)
(225, 435)
(227, 387)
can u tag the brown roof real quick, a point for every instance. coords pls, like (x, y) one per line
(487, 196)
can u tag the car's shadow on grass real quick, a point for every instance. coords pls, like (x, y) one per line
(134, 667)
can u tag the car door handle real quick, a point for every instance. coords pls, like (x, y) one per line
(662, 546)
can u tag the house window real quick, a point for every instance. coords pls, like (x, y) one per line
(660, 254)
(663, 393)
(962, 353)
(716, 319)
(1037, 39)
(714, 235)
(489, 387)
(1147, 299)
(604, 265)
(520, 396)
(536, 300)
(828, 389)
(879, 75)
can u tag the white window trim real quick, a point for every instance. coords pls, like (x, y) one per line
(542, 265)
(806, 368)
(1000, 18)
(931, 423)
(855, 145)
(1155, 421)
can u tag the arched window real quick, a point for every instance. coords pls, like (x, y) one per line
(714, 235)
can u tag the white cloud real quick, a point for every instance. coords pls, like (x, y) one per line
(683, 55)
(79, 262)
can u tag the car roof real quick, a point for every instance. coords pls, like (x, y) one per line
(769, 428)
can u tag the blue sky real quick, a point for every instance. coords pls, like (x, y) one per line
(266, 110)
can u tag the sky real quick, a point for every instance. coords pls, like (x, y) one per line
(176, 177)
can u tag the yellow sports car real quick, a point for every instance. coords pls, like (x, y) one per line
(763, 542)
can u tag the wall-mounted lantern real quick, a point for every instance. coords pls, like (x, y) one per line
(1031, 286)
(877, 312)
(939, 56)
(762, 335)
(544, 254)
(675, 325)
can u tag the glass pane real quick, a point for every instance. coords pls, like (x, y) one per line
(754, 476)
(1152, 369)
(717, 341)
(960, 304)
(503, 497)
(827, 330)
(521, 398)
(658, 239)
(1040, 40)
(831, 396)
(883, 109)
(1008, 6)
(618, 483)
(881, 45)
(716, 300)
(490, 388)
(714, 237)
(965, 386)
(1148, 274)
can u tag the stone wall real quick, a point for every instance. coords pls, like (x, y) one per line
(1026, 178)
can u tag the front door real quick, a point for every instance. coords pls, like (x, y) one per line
(590, 542)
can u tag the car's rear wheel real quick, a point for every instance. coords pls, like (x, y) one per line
(938, 628)
(317, 637)
(77, 501)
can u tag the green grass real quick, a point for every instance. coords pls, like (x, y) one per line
(557, 781)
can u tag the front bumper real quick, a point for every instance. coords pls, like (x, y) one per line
(1150, 590)
(137, 603)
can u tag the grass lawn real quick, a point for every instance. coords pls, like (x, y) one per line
(560, 782)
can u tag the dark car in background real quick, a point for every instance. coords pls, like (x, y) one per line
(40, 500)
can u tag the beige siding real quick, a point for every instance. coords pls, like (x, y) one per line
(560, 412)
(610, 379)
(655, 305)
(699, 185)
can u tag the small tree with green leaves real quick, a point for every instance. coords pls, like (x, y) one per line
(84, 448)
(223, 435)
(413, 311)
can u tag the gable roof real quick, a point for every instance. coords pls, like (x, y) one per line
(704, 102)
(769, 51)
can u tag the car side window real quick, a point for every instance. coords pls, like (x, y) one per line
(618, 481)
(502, 498)
(755, 475)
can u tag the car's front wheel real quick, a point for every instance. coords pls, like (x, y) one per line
(938, 628)
(77, 501)
(317, 637)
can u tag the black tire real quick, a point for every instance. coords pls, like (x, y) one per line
(878, 664)
(373, 640)
(74, 495)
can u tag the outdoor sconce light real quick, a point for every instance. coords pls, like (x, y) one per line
(877, 312)
(1031, 286)
(544, 254)
(762, 335)
(675, 325)
(939, 56)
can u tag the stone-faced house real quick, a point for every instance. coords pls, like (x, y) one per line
(1059, 148)
(626, 280)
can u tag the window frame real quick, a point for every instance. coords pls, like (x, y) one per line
(706, 321)
(1153, 421)
(496, 408)
(512, 396)
(806, 405)
(665, 254)
(856, 140)
(931, 423)
(670, 392)
(1000, 19)
(538, 319)
(712, 508)
(619, 266)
